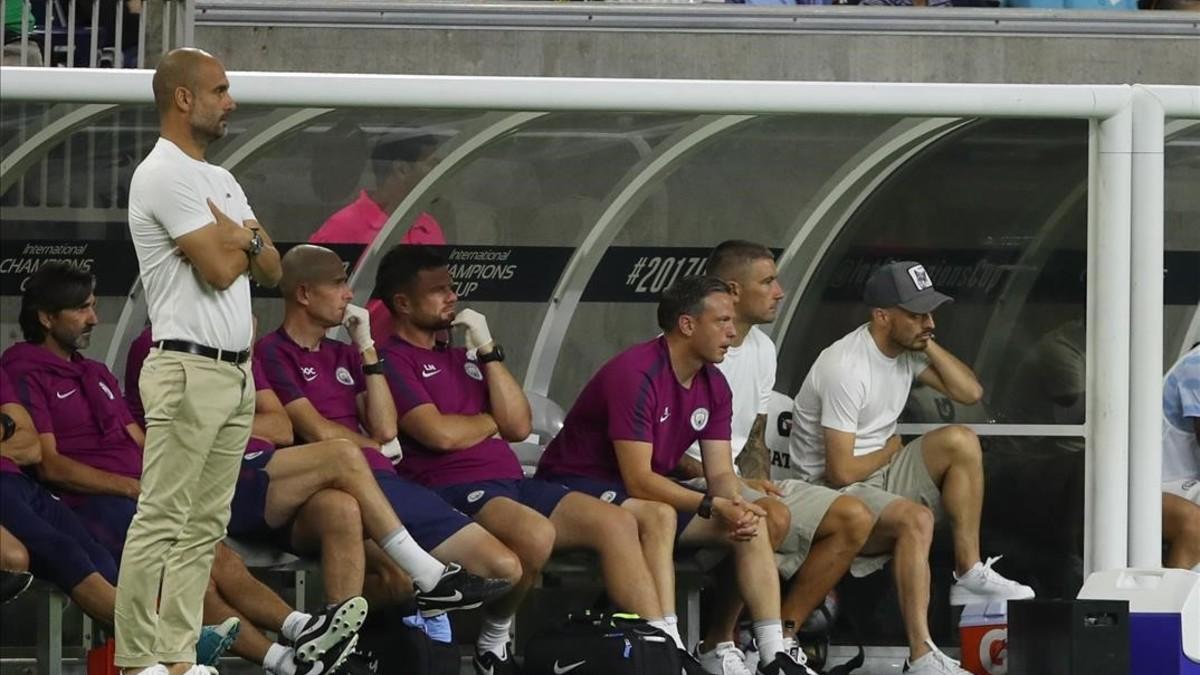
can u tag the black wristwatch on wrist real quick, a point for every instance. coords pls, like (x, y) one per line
(497, 355)
(373, 368)
(10, 427)
(706, 507)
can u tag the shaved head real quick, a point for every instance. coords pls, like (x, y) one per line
(306, 265)
(179, 68)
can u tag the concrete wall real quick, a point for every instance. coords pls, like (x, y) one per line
(718, 42)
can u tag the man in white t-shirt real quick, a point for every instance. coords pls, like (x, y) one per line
(844, 436)
(826, 529)
(1181, 461)
(195, 262)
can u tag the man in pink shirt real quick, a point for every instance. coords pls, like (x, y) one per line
(399, 163)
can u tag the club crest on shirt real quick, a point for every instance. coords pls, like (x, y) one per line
(608, 496)
(308, 373)
(344, 376)
(699, 418)
(475, 496)
(107, 391)
(473, 371)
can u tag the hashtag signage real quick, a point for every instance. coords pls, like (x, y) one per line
(640, 273)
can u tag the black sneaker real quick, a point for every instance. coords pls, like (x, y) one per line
(330, 629)
(332, 660)
(786, 663)
(13, 584)
(691, 665)
(488, 663)
(361, 662)
(459, 589)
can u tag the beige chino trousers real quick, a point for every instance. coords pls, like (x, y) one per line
(198, 416)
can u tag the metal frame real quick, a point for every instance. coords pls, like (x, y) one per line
(619, 206)
(14, 164)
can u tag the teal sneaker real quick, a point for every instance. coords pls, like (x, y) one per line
(216, 640)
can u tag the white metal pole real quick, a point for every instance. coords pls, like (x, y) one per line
(1146, 332)
(1108, 341)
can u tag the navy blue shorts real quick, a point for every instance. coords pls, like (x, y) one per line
(613, 493)
(247, 511)
(107, 519)
(60, 549)
(428, 518)
(539, 495)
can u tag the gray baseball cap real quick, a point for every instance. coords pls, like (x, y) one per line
(903, 284)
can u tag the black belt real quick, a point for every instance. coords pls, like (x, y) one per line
(200, 350)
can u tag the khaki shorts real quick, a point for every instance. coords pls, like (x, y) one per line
(1188, 488)
(807, 504)
(905, 477)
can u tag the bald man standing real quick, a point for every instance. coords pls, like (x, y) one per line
(197, 243)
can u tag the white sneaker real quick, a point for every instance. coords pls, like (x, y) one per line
(156, 669)
(726, 659)
(200, 670)
(934, 663)
(984, 584)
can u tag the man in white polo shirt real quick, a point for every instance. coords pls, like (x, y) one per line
(197, 243)
(1181, 461)
(844, 437)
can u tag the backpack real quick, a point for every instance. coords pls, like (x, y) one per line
(395, 647)
(595, 643)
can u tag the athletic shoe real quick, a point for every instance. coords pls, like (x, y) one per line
(329, 629)
(691, 665)
(488, 663)
(790, 661)
(934, 663)
(216, 640)
(459, 589)
(983, 584)
(361, 663)
(330, 661)
(200, 670)
(13, 584)
(726, 659)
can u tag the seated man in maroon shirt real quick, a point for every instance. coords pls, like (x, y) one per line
(457, 410)
(333, 390)
(636, 418)
(92, 454)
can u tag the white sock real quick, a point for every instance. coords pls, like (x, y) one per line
(670, 629)
(768, 635)
(280, 660)
(1196, 569)
(494, 635)
(293, 624)
(425, 569)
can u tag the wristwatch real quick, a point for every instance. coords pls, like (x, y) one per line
(497, 355)
(373, 368)
(256, 243)
(10, 427)
(706, 507)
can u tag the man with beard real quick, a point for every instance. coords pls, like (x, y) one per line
(458, 409)
(195, 262)
(844, 436)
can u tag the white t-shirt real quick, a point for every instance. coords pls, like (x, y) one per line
(851, 387)
(750, 370)
(167, 199)
(1181, 407)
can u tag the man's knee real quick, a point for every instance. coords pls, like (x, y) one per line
(534, 544)
(851, 519)
(778, 520)
(657, 521)
(504, 564)
(343, 457)
(916, 522)
(14, 558)
(961, 441)
(336, 511)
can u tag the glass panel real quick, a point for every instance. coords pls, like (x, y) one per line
(753, 181)
(1181, 328)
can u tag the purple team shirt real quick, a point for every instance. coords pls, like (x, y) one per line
(80, 403)
(330, 377)
(635, 397)
(139, 349)
(456, 385)
(8, 394)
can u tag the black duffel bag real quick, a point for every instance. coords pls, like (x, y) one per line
(594, 643)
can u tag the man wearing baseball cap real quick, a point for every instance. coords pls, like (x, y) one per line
(844, 436)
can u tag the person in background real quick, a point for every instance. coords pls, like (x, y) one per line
(1181, 461)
